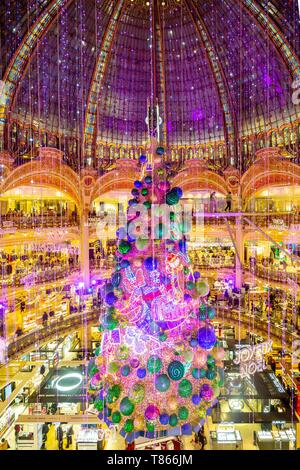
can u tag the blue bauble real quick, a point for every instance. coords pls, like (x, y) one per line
(125, 263)
(141, 373)
(135, 192)
(187, 428)
(197, 275)
(196, 399)
(160, 150)
(164, 418)
(193, 342)
(151, 263)
(187, 298)
(182, 246)
(116, 279)
(148, 180)
(132, 202)
(143, 159)
(138, 184)
(178, 191)
(206, 337)
(125, 370)
(110, 298)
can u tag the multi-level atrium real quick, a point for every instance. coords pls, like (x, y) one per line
(182, 333)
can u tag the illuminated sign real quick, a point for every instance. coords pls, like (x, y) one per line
(251, 358)
(71, 381)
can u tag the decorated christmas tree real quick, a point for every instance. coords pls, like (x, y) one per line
(159, 366)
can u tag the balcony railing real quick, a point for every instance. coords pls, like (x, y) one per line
(12, 221)
(61, 326)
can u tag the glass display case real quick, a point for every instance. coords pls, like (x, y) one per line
(88, 439)
(276, 440)
(226, 437)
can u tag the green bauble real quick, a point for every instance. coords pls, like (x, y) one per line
(172, 198)
(126, 406)
(150, 426)
(122, 352)
(210, 374)
(211, 313)
(172, 216)
(202, 373)
(202, 288)
(162, 337)
(116, 417)
(173, 420)
(116, 391)
(141, 243)
(128, 426)
(99, 404)
(210, 361)
(196, 373)
(124, 247)
(109, 322)
(190, 285)
(147, 204)
(185, 388)
(162, 383)
(183, 412)
(154, 364)
(113, 367)
(176, 370)
(144, 192)
(137, 393)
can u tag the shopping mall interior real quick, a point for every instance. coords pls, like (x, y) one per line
(149, 225)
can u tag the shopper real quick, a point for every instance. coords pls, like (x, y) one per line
(228, 202)
(45, 430)
(60, 437)
(69, 434)
(213, 202)
(4, 445)
(202, 438)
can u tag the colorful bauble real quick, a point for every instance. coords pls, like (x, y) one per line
(162, 383)
(154, 364)
(148, 179)
(128, 426)
(138, 184)
(160, 150)
(196, 399)
(141, 373)
(172, 198)
(183, 412)
(143, 159)
(151, 263)
(116, 417)
(109, 322)
(202, 288)
(173, 420)
(137, 393)
(206, 337)
(164, 419)
(176, 370)
(125, 370)
(152, 412)
(206, 392)
(185, 388)
(124, 247)
(126, 406)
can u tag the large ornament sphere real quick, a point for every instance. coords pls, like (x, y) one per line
(206, 337)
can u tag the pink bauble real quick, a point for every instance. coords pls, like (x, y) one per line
(219, 354)
(152, 412)
(200, 358)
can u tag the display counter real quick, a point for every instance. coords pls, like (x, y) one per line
(276, 440)
(88, 439)
(226, 438)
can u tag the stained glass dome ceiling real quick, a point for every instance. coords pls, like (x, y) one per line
(218, 70)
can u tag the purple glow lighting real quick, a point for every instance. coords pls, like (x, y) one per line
(197, 115)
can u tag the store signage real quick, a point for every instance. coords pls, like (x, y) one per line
(278, 224)
(251, 358)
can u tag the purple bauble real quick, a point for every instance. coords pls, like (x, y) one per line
(134, 363)
(196, 399)
(206, 337)
(206, 392)
(152, 412)
(110, 298)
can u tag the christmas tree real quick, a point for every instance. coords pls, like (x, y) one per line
(159, 366)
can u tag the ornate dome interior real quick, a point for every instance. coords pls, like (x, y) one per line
(218, 72)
